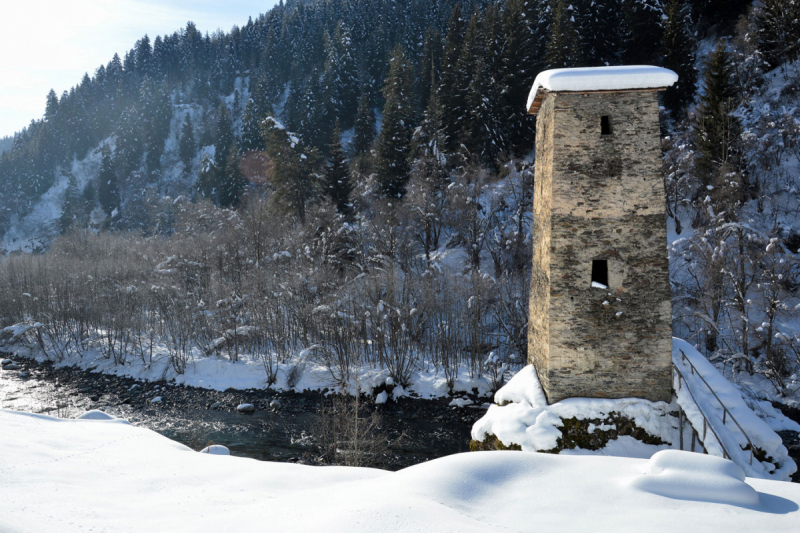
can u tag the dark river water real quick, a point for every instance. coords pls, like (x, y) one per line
(281, 429)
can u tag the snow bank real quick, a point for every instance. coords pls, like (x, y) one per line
(216, 449)
(95, 414)
(521, 415)
(601, 79)
(694, 476)
(732, 438)
(78, 475)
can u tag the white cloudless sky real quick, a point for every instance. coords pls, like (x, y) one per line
(48, 44)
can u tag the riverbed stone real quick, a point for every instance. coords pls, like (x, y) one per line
(246, 408)
(12, 366)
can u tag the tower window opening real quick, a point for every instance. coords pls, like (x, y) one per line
(605, 125)
(600, 274)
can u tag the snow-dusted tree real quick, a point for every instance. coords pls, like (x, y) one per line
(715, 128)
(71, 208)
(340, 81)
(187, 148)
(337, 176)
(779, 30)
(250, 138)
(678, 50)
(394, 143)
(364, 127)
(107, 188)
(292, 170)
(563, 44)
(231, 182)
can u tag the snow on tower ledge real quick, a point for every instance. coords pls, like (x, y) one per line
(598, 79)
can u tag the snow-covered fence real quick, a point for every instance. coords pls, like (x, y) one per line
(711, 402)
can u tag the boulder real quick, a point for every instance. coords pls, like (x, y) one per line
(12, 366)
(245, 407)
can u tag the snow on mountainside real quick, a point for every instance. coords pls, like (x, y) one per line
(74, 475)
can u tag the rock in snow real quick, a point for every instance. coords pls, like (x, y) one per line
(12, 366)
(460, 402)
(157, 399)
(382, 397)
(6, 362)
(216, 449)
(245, 407)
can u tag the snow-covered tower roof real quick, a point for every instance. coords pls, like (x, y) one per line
(590, 79)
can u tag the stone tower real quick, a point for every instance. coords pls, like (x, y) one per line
(600, 313)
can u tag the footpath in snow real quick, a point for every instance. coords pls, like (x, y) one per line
(107, 475)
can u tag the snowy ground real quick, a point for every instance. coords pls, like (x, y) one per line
(218, 372)
(521, 416)
(106, 475)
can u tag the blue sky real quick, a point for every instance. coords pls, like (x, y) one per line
(48, 44)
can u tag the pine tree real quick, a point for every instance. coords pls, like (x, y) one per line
(337, 176)
(340, 83)
(107, 188)
(599, 23)
(292, 169)
(51, 109)
(232, 184)
(225, 138)
(71, 208)
(644, 24)
(394, 143)
(364, 127)
(187, 146)
(714, 127)
(251, 129)
(563, 45)
(678, 50)
(449, 95)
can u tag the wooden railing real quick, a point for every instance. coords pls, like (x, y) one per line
(726, 413)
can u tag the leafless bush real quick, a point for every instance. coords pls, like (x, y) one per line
(349, 433)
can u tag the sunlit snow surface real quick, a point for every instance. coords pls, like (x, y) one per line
(107, 475)
(521, 416)
(602, 79)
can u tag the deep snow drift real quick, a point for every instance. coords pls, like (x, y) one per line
(106, 475)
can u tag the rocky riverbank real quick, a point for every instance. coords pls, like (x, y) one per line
(279, 429)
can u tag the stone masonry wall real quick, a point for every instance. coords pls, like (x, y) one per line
(605, 198)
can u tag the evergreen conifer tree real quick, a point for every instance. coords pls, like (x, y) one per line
(714, 127)
(394, 143)
(251, 128)
(107, 188)
(364, 127)
(337, 175)
(292, 170)
(225, 138)
(187, 146)
(71, 208)
(563, 45)
(678, 50)
(232, 182)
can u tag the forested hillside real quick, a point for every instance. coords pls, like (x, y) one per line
(356, 176)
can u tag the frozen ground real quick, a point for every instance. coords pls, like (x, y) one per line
(106, 475)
